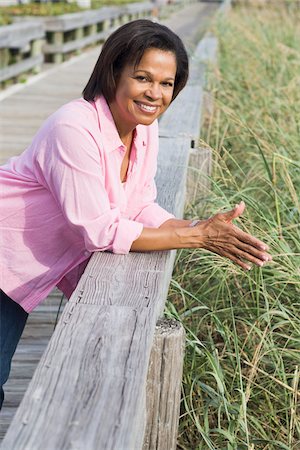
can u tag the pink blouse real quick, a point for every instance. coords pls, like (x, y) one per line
(63, 199)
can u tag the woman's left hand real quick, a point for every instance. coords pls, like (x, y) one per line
(219, 235)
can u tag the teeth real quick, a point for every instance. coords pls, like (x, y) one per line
(147, 108)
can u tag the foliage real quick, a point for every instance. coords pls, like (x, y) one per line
(40, 9)
(52, 9)
(241, 376)
(5, 19)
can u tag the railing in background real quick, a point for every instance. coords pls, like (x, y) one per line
(73, 32)
(25, 44)
(20, 49)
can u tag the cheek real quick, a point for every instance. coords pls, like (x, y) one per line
(168, 99)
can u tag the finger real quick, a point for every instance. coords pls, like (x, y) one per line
(244, 255)
(258, 254)
(249, 239)
(233, 213)
(234, 259)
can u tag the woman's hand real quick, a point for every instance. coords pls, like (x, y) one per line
(219, 235)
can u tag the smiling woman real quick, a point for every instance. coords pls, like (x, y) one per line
(86, 183)
(144, 91)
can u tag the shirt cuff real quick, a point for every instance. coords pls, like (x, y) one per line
(153, 216)
(127, 232)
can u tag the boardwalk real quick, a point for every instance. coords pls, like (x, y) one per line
(21, 114)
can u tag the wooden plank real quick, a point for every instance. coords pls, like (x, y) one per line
(20, 67)
(175, 124)
(77, 44)
(71, 21)
(18, 35)
(97, 370)
(207, 49)
(38, 330)
(67, 22)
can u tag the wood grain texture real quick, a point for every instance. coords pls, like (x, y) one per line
(35, 338)
(185, 122)
(90, 382)
(164, 386)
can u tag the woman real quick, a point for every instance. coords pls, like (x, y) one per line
(86, 183)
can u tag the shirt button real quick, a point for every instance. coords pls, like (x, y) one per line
(86, 253)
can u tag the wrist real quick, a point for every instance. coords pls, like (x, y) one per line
(194, 223)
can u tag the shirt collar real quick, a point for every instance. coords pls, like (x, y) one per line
(109, 132)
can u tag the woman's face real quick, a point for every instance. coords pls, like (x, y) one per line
(144, 92)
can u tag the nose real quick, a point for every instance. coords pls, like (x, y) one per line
(154, 92)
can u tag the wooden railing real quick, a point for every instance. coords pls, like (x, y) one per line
(25, 44)
(72, 32)
(110, 377)
(20, 49)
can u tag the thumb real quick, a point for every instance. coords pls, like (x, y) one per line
(235, 212)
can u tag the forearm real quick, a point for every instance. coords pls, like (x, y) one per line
(176, 223)
(167, 237)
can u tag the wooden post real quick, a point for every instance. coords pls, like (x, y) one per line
(79, 34)
(92, 29)
(58, 39)
(164, 386)
(106, 24)
(36, 49)
(4, 57)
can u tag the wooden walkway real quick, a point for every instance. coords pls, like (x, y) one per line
(21, 113)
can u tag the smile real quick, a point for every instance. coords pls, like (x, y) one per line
(147, 108)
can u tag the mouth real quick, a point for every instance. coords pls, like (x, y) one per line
(150, 109)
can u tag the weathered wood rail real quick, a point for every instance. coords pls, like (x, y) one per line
(72, 32)
(20, 49)
(27, 43)
(89, 389)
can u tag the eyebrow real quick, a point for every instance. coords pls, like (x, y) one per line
(149, 73)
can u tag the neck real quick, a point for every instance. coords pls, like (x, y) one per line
(127, 140)
(125, 130)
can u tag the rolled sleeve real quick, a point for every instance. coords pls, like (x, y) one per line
(153, 216)
(127, 232)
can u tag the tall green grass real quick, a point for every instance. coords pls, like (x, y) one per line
(241, 377)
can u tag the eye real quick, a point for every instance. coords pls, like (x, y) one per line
(141, 78)
(168, 84)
